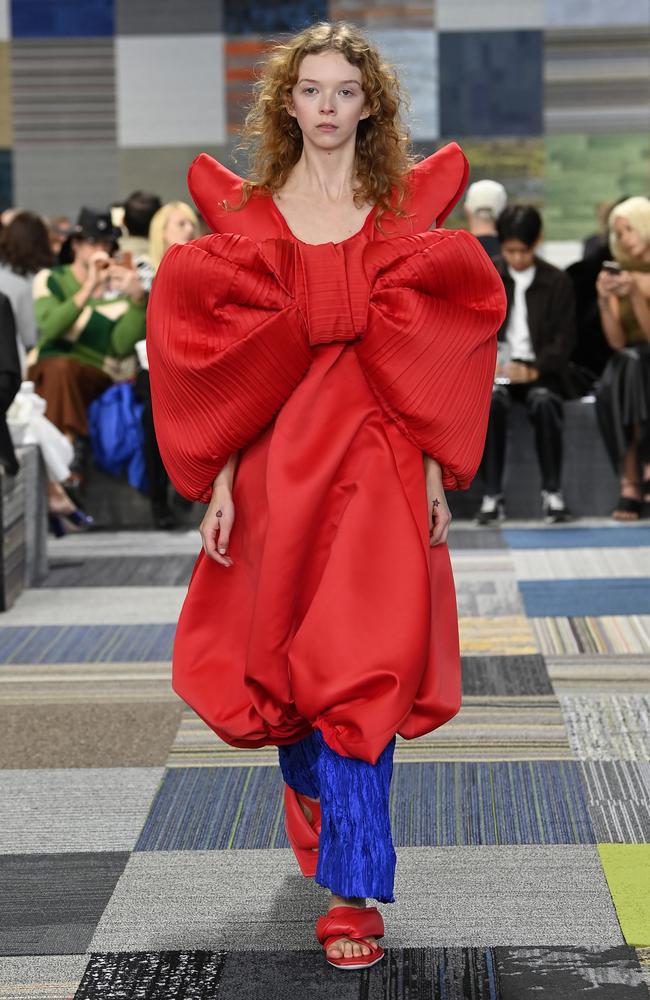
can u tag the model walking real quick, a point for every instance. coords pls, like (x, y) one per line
(321, 370)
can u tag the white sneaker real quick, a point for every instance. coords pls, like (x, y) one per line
(492, 509)
(554, 507)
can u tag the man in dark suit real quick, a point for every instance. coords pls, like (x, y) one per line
(9, 382)
(535, 345)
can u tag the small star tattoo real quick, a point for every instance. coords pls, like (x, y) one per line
(436, 503)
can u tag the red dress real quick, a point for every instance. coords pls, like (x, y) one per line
(331, 368)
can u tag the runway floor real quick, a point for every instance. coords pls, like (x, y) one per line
(142, 858)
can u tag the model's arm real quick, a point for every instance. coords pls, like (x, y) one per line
(439, 513)
(220, 515)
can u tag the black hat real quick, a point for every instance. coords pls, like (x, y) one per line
(95, 226)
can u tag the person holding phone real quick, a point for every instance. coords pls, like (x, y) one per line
(90, 314)
(623, 392)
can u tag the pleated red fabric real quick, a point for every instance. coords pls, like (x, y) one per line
(331, 368)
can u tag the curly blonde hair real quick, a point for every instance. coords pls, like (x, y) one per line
(274, 138)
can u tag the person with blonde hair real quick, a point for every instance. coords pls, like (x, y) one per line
(623, 392)
(321, 370)
(175, 222)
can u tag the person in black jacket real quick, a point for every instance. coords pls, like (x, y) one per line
(9, 382)
(535, 344)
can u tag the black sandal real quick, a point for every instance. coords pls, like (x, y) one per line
(630, 506)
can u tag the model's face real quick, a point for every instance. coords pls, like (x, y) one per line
(328, 100)
(517, 255)
(630, 242)
(179, 228)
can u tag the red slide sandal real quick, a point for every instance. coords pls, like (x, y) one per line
(357, 924)
(303, 835)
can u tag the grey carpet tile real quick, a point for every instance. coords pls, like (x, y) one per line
(476, 538)
(600, 674)
(618, 799)
(127, 570)
(77, 809)
(41, 977)
(116, 544)
(487, 594)
(50, 903)
(257, 900)
(621, 822)
(67, 683)
(505, 675)
(87, 734)
(572, 564)
(608, 727)
(95, 606)
(566, 973)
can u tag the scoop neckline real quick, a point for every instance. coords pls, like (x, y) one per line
(327, 243)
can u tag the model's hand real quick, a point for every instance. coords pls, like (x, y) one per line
(439, 513)
(217, 524)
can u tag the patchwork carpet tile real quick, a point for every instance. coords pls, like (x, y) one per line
(608, 727)
(618, 596)
(618, 797)
(627, 869)
(87, 734)
(74, 809)
(606, 635)
(51, 903)
(485, 594)
(131, 570)
(539, 802)
(510, 634)
(37, 977)
(95, 606)
(454, 896)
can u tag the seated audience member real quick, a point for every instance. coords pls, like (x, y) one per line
(139, 209)
(535, 343)
(623, 393)
(484, 203)
(175, 222)
(24, 250)
(58, 230)
(9, 383)
(90, 315)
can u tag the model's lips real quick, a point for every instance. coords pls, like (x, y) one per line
(327, 127)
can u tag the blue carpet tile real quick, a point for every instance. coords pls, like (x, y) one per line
(86, 643)
(432, 804)
(577, 538)
(616, 596)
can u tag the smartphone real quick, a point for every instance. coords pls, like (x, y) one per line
(124, 258)
(611, 266)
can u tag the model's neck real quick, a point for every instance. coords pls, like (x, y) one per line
(330, 175)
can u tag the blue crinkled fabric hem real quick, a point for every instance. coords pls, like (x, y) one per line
(356, 856)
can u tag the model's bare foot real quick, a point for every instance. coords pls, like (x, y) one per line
(344, 947)
(304, 800)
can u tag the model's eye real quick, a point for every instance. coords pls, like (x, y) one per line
(347, 92)
(309, 90)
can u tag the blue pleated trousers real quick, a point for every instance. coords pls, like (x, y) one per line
(356, 856)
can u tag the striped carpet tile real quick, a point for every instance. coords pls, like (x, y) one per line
(86, 643)
(439, 804)
(505, 675)
(567, 564)
(608, 727)
(607, 634)
(613, 673)
(82, 683)
(528, 727)
(510, 634)
(41, 977)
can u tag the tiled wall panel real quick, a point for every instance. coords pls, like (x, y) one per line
(98, 97)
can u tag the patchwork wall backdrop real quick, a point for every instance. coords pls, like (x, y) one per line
(99, 97)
